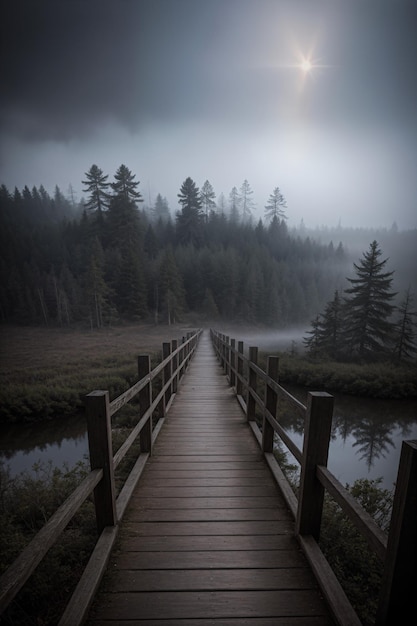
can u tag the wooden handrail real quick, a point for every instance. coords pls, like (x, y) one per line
(109, 509)
(397, 550)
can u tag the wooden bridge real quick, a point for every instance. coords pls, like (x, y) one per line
(207, 534)
(206, 529)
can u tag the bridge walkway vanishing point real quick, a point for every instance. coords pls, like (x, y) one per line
(207, 537)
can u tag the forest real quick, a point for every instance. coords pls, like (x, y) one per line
(110, 258)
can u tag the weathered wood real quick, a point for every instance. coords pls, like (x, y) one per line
(317, 433)
(101, 457)
(399, 585)
(207, 534)
(221, 605)
(145, 399)
(250, 402)
(270, 405)
(22, 568)
(367, 526)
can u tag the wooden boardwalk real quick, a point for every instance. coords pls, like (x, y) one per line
(207, 538)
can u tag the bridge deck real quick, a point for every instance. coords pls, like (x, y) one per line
(207, 538)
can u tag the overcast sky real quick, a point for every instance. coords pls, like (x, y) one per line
(212, 89)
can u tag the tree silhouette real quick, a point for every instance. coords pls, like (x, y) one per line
(367, 305)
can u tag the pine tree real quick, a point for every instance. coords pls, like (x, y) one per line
(189, 219)
(170, 288)
(125, 185)
(313, 342)
(207, 199)
(96, 185)
(331, 328)
(367, 305)
(405, 334)
(247, 202)
(234, 205)
(161, 209)
(275, 205)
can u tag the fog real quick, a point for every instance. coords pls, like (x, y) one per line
(272, 341)
(214, 90)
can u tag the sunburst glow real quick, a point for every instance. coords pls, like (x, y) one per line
(306, 65)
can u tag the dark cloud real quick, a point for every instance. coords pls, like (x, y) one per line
(69, 65)
(212, 85)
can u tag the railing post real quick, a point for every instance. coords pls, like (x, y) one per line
(174, 345)
(145, 400)
(317, 431)
(101, 456)
(399, 582)
(232, 362)
(166, 351)
(252, 378)
(270, 405)
(239, 384)
(226, 355)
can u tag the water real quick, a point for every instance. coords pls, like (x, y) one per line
(61, 442)
(366, 439)
(367, 436)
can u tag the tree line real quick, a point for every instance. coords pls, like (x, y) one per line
(110, 258)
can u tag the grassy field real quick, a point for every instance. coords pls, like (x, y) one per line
(44, 372)
(24, 348)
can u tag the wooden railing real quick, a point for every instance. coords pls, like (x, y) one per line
(109, 509)
(397, 551)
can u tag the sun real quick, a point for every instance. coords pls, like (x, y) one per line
(306, 65)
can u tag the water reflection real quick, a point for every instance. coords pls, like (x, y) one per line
(366, 438)
(64, 442)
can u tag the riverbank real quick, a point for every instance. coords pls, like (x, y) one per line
(46, 372)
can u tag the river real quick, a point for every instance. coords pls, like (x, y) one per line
(366, 439)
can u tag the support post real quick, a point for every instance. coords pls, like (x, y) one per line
(251, 404)
(270, 405)
(101, 456)
(317, 431)
(166, 351)
(174, 345)
(232, 362)
(399, 582)
(226, 355)
(239, 384)
(145, 400)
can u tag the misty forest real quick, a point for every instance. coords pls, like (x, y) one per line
(110, 259)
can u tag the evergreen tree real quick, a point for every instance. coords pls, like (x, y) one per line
(124, 185)
(189, 219)
(207, 196)
(405, 334)
(247, 202)
(368, 307)
(331, 328)
(170, 288)
(234, 205)
(313, 342)
(275, 205)
(161, 209)
(96, 185)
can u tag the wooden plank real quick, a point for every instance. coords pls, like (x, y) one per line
(217, 604)
(204, 503)
(181, 515)
(220, 579)
(177, 543)
(208, 492)
(152, 529)
(225, 559)
(245, 621)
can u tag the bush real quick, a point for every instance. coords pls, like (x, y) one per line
(26, 504)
